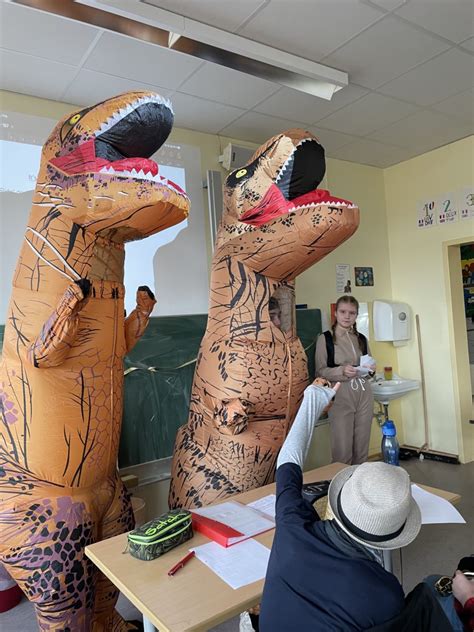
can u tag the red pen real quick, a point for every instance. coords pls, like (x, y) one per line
(181, 563)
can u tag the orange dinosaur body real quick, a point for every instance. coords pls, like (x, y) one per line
(251, 373)
(61, 375)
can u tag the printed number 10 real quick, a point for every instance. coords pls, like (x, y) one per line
(429, 206)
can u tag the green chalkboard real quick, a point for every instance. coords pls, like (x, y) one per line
(158, 380)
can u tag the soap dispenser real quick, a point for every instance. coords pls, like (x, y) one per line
(392, 321)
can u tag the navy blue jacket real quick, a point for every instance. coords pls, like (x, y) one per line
(311, 585)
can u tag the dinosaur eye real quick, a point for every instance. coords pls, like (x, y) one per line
(70, 123)
(241, 173)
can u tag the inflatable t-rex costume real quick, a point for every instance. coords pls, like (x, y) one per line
(250, 374)
(61, 375)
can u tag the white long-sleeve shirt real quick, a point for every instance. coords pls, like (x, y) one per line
(296, 445)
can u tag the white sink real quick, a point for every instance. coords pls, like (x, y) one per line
(386, 390)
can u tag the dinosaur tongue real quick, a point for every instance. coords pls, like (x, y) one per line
(274, 204)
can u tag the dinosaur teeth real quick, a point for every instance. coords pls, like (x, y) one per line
(141, 175)
(288, 160)
(120, 114)
(324, 203)
(283, 169)
(304, 140)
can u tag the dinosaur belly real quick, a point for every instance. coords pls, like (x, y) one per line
(238, 421)
(83, 395)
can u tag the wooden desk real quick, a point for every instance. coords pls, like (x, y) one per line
(196, 599)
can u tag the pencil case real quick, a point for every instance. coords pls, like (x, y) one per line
(160, 535)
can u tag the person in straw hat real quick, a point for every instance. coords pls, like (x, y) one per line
(328, 575)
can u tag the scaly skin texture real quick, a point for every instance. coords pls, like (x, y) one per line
(251, 374)
(61, 376)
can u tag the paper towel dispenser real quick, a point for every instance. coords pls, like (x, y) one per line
(392, 321)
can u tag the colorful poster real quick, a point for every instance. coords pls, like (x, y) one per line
(466, 202)
(426, 213)
(446, 208)
(364, 276)
(343, 278)
(467, 266)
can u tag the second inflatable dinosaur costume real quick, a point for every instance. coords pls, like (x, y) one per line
(66, 335)
(250, 373)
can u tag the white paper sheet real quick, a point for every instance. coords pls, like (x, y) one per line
(363, 368)
(240, 517)
(237, 565)
(265, 505)
(434, 509)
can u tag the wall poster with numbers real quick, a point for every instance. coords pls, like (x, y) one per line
(466, 203)
(427, 213)
(447, 209)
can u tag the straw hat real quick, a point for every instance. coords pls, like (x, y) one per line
(373, 504)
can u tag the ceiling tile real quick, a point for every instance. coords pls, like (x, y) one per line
(452, 19)
(389, 5)
(367, 114)
(201, 115)
(460, 106)
(317, 27)
(91, 87)
(437, 79)
(257, 128)
(469, 44)
(306, 108)
(132, 59)
(331, 140)
(423, 131)
(214, 12)
(44, 34)
(384, 51)
(228, 86)
(30, 75)
(369, 152)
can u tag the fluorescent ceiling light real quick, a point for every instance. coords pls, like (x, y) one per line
(145, 20)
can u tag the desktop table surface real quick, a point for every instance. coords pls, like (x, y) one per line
(195, 599)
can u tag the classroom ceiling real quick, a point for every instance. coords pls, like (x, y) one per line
(410, 65)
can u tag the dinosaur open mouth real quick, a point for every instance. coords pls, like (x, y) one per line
(303, 170)
(295, 186)
(123, 144)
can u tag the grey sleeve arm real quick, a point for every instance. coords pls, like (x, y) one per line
(296, 445)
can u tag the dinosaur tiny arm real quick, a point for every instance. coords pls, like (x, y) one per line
(137, 321)
(231, 416)
(58, 333)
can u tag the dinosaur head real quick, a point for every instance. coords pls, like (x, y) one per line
(275, 218)
(96, 166)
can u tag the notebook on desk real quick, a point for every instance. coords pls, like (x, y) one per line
(230, 522)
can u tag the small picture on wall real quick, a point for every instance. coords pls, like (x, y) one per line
(364, 276)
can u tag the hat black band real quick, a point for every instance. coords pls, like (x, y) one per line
(370, 537)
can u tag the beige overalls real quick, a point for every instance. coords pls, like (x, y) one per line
(351, 414)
